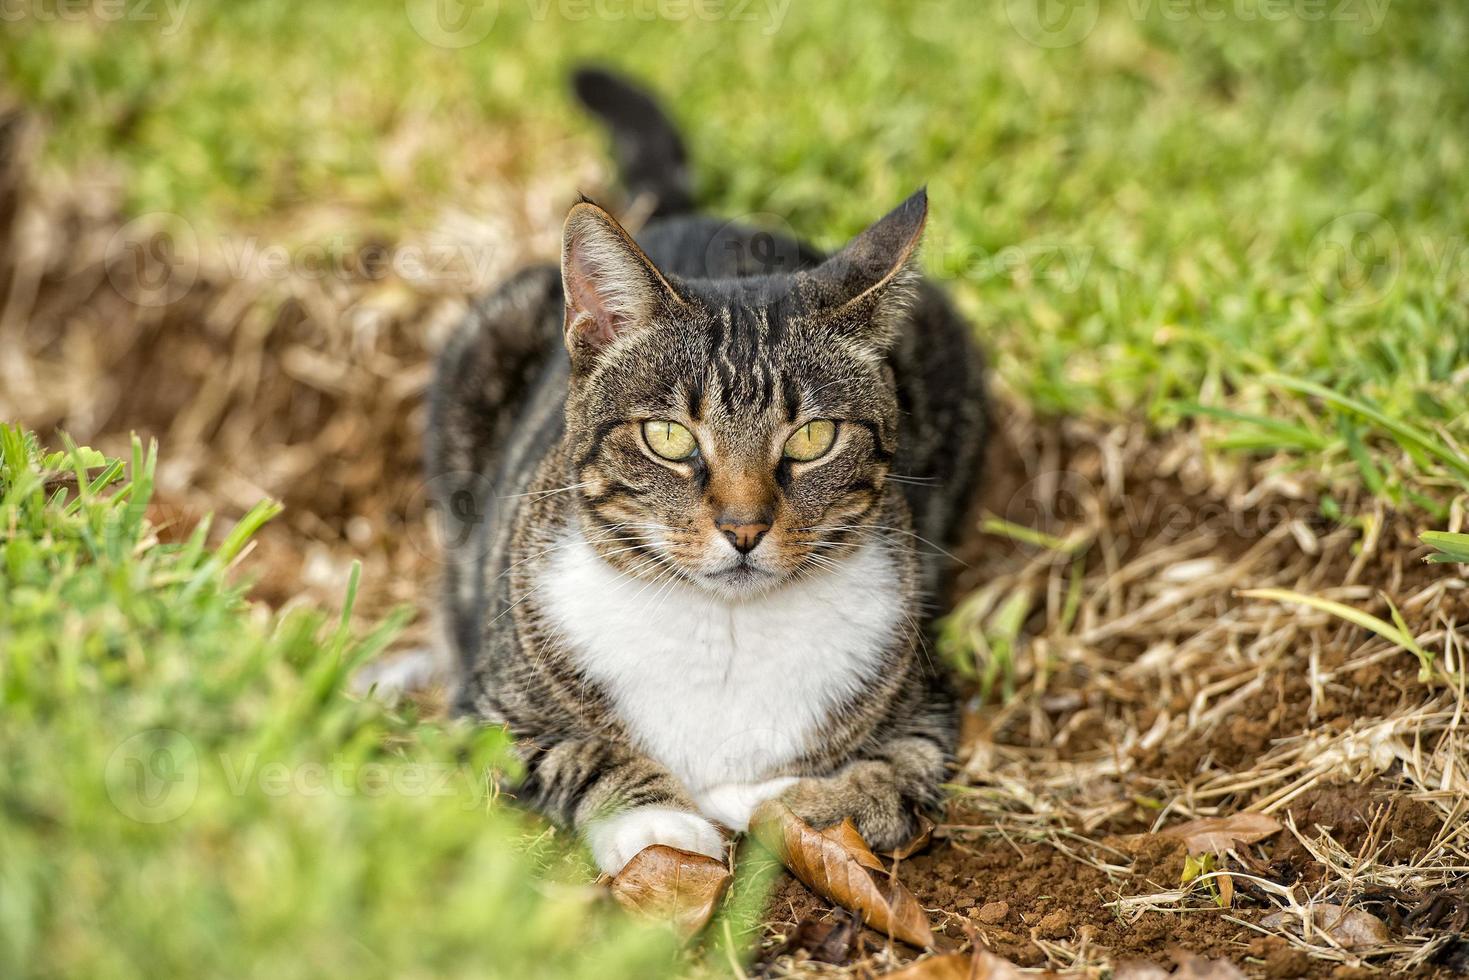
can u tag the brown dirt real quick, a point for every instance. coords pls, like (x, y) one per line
(1030, 877)
(1154, 694)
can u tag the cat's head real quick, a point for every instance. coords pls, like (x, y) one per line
(735, 433)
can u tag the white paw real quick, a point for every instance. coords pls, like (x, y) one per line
(615, 840)
(731, 804)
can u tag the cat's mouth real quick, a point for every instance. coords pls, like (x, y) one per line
(741, 576)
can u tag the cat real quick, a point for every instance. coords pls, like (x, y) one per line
(693, 485)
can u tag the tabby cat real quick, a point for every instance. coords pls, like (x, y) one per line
(694, 484)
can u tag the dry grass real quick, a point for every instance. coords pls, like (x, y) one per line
(1142, 688)
(297, 385)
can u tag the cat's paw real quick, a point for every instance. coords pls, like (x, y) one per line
(731, 804)
(617, 839)
(883, 818)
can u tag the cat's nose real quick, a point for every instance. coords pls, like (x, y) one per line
(744, 535)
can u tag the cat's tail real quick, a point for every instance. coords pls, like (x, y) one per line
(649, 152)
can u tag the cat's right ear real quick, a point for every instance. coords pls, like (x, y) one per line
(612, 288)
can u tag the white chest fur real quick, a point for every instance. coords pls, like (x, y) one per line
(724, 691)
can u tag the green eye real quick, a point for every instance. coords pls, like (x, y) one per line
(811, 440)
(669, 439)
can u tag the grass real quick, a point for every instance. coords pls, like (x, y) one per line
(189, 793)
(1447, 547)
(1182, 217)
(1250, 228)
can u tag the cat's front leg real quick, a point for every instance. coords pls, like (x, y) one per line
(616, 839)
(731, 804)
(618, 799)
(882, 796)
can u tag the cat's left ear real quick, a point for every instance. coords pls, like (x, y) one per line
(612, 288)
(871, 281)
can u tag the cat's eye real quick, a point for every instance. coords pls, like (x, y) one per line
(811, 440)
(669, 439)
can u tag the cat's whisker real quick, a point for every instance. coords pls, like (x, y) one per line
(559, 547)
(885, 529)
(538, 494)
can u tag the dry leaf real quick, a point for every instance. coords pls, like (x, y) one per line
(669, 885)
(838, 865)
(1192, 967)
(983, 965)
(917, 842)
(824, 941)
(949, 966)
(845, 834)
(1219, 834)
(1350, 928)
(1226, 890)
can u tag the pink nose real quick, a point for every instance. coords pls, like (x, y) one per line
(743, 536)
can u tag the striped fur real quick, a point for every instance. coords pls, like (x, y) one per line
(568, 537)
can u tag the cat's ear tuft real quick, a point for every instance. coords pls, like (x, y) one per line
(871, 280)
(611, 286)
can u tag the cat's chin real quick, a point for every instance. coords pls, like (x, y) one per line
(742, 581)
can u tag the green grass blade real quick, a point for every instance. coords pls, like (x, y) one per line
(1393, 632)
(1450, 547)
(1411, 436)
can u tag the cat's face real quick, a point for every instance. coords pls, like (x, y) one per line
(735, 435)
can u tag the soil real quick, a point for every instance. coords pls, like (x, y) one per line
(322, 410)
(1038, 905)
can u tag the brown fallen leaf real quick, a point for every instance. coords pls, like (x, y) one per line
(1350, 928)
(1190, 967)
(669, 885)
(917, 842)
(949, 966)
(1225, 884)
(1219, 834)
(1194, 967)
(824, 941)
(838, 865)
(846, 836)
(981, 965)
